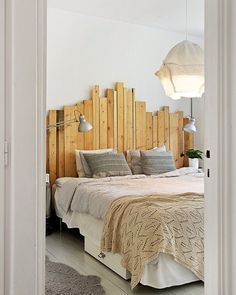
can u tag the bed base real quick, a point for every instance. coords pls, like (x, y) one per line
(113, 261)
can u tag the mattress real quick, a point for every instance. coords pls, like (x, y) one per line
(161, 273)
(94, 196)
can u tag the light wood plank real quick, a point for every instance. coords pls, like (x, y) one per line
(115, 122)
(174, 136)
(103, 123)
(88, 113)
(125, 121)
(188, 142)
(140, 117)
(167, 126)
(79, 135)
(129, 121)
(134, 119)
(181, 148)
(110, 118)
(71, 134)
(160, 128)
(60, 146)
(148, 130)
(52, 148)
(154, 131)
(120, 116)
(96, 119)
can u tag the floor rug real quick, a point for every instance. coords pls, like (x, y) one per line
(61, 279)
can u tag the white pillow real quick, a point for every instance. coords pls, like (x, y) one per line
(82, 167)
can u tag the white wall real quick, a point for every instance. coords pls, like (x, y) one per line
(84, 51)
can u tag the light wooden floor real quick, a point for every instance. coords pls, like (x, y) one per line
(67, 248)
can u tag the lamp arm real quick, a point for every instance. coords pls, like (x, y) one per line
(63, 123)
(60, 124)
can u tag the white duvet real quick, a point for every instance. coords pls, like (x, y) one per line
(94, 196)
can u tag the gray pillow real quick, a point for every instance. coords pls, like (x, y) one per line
(154, 163)
(87, 171)
(104, 165)
(136, 165)
(134, 158)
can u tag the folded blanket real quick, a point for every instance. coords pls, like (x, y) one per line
(140, 228)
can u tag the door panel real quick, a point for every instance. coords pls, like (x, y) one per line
(2, 136)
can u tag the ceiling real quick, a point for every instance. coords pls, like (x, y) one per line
(165, 14)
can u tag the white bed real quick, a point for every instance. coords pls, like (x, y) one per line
(163, 271)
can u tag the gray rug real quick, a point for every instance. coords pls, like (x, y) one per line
(64, 280)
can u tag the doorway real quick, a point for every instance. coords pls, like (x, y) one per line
(220, 219)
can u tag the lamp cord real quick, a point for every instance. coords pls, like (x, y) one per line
(191, 107)
(186, 19)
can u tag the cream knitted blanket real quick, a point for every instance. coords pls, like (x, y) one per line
(139, 228)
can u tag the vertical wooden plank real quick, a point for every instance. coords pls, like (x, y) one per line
(71, 141)
(140, 116)
(103, 123)
(110, 118)
(154, 131)
(129, 121)
(115, 121)
(188, 142)
(96, 119)
(174, 136)
(125, 121)
(134, 118)
(79, 135)
(88, 113)
(60, 146)
(160, 128)
(52, 147)
(120, 116)
(181, 148)
(148, 130)
(167, 126)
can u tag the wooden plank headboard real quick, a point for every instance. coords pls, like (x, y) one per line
(119, 121)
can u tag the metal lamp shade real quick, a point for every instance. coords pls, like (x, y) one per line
(182, 72)
(84, 126)
(190, 126)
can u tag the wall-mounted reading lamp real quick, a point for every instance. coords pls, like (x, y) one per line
(84, 126)
(190, 126)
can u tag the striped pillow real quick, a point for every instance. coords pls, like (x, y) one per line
(134, 159)
(154, 163)
(104, 165)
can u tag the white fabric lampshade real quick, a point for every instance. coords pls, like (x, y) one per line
(182, 72)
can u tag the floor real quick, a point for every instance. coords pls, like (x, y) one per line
(67, 247)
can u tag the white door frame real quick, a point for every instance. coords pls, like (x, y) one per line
(219, 187)
(220, 139)
(25, 96)
(2, 137)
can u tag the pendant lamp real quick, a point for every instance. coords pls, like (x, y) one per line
(182, 71)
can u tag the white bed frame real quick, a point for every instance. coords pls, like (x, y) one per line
(113, 261)
(179, 275)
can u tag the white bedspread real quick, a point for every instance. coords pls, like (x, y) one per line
(94, 196)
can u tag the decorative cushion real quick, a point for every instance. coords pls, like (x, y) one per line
(134, 160)
(154, 163)
(82, 167)
(104, 165)
(136, 165)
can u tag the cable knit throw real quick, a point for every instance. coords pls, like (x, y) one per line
(139, 228)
